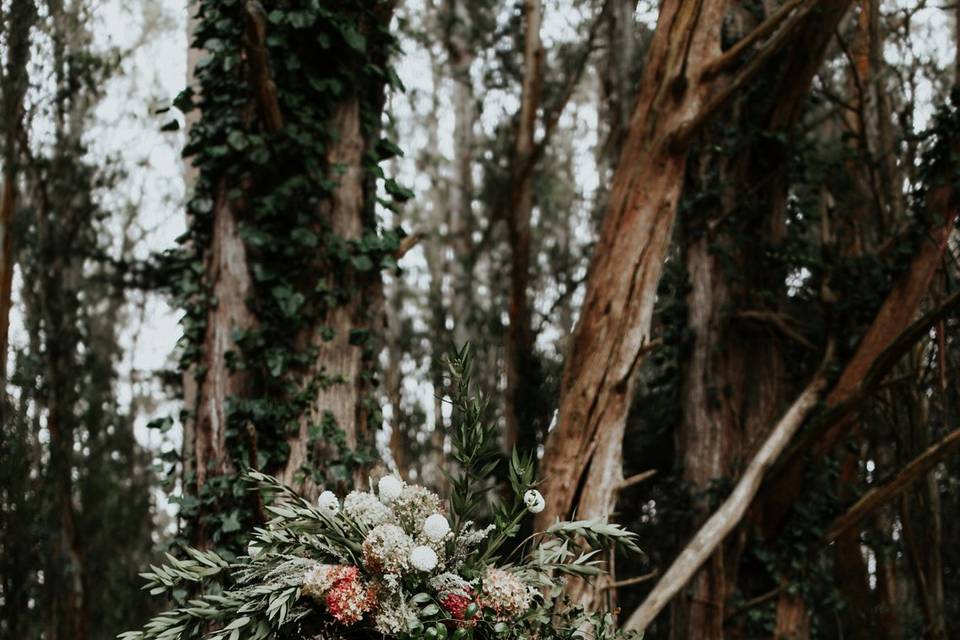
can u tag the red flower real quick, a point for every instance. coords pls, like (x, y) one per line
(349, 598)
(456, 604)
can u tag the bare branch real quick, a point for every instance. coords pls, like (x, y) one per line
(728, 516)
(878, 496)
(732, 55)
(631, 581)
(637, 479)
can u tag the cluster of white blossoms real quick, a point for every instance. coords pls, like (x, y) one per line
(366, 509)
(406, 529)
(406, 537)
(318, 580)
(394, 616)
(386, 549)
(414, 505)
(505, 593)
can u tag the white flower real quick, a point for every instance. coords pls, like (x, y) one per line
(423, 558)
(386, 549)
(364, 509)
(389, 488)
(436, 527)
(328, 504)
(534, 501)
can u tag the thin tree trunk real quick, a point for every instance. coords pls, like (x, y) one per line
(459, 39)
(523, 377)
(20, 19)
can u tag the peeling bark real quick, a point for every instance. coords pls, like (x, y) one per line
(341, 362)
(614, 325)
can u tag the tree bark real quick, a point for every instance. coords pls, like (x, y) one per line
(598, 381)
(340, 359)
(681, 90)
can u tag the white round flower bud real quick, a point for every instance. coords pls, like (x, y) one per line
(436, 527)
(389, 488)
(328, 504)
(423, 558)
(534, 501)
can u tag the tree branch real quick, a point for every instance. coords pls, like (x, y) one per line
(744, 76)
(878, 496)
(631, 581)
(728, 516)
(637, 479)
(730, 57)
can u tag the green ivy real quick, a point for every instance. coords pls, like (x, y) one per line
(278, 182)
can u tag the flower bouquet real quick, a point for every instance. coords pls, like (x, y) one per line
(396, 561)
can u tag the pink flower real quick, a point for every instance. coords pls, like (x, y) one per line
(349, 598)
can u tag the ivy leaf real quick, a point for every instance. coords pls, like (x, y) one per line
(231, 523)
(237, 140)
(359, 336)
(398, 191)
(387, 149)
(354, 39)
(361, 262)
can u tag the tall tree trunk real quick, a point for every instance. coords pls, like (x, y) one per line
(342, 360)
(338, 331)
(686, 82)
(227, 271)
(21, 16)
(523, 376)
(459, 39)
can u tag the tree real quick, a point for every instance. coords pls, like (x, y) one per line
(280, 271)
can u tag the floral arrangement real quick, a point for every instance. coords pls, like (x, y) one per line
(395, 560)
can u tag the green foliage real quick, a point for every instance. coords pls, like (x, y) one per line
(279, 184)
(275, 591)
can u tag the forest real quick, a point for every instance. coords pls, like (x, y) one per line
(298, 296)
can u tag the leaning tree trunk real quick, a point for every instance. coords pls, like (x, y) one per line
(598, 381)
(686, 81)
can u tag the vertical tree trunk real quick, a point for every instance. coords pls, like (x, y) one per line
(459, 42)
(227, 271)
(342, 359)
(522, 368)
(330, 388)
(20, 19)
